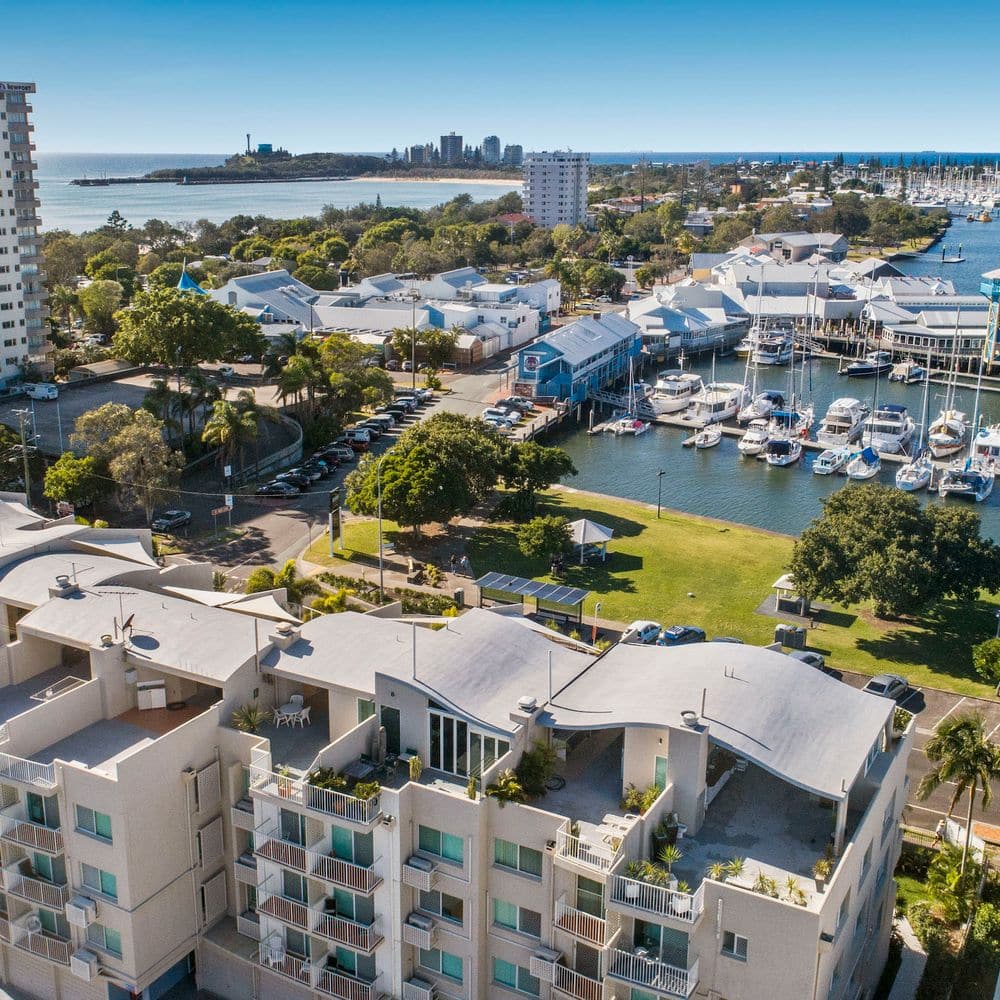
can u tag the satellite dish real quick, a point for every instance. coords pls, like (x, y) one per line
(128, 621)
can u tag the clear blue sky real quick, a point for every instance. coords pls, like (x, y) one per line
(138, 76)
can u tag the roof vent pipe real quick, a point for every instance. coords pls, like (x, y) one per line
(526, 703)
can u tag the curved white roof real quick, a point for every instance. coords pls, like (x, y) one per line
(791, 719)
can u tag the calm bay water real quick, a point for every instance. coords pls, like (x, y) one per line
(719, 482)
(66, 206)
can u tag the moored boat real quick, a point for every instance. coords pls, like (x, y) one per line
(783, 451)
(888, 429)
(947, 435)
(831, 460)
(756, 437)
(708, 437)
(674, 390)
(842, 423)
(774, 350)
(717, 401)
(761, 406)
(915, 475)
(907, 371)
(873, 363)
(865, 465)
(967, 481)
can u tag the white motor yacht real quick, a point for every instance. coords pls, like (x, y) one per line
(708, 437)
(986, 448)
(717, 401)
(967, 481)
(674, 390)
(947, 435)
(888, 429)
(761, 406)
(744, 348)
(831, 460)
(865, 465)
(782, 451)
(773, 350)
(842, 423)
(908, 371)
(756, 437)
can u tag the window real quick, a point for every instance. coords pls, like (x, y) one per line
(660, 773)
(293, 827)
(457, 749)
(444, 845)
(590, 896)
(44, 811)
(866, 863)
(845, 908)
(734, 945)
(105, 938)
(442, 961)
(100, 881)
(440, 903)
(518, 858)
(517, 918)
(342, 843)
(293, 886)
(296, 943)
(366, 709)
(514, 977)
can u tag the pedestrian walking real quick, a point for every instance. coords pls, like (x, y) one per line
(453, 562)
(465, 568)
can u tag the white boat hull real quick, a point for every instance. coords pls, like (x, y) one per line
(913, 478)
(830, 461)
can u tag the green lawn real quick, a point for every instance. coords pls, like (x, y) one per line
(360, 540)
(727, 569)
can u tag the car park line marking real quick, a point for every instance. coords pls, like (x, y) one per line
(960, 701)
(913, 691)
(913, 805)
(993, 731)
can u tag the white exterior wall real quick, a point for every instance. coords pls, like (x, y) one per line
(555, 188)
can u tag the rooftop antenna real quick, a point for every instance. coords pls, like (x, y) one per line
(550, 676)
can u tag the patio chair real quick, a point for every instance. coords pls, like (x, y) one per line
(281, 719)
(303, 717)
(297, 700)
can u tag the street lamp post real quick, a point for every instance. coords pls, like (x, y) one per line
(659, 491)
(378, 491)
(414, 295)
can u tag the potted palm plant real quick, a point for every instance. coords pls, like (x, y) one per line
(668, 857)
(822, 870)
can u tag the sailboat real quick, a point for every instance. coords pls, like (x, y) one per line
(972, 479)
(865, 465)
(947, 434)
(916, 475)
(629, 422)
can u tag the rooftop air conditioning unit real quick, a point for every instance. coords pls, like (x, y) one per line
(418, 989)
(84, 965)
(81, 911)
(527, 703)
(542, 964)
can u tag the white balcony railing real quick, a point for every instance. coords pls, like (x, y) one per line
(274, 957)
(653, 974)
(27, 772)
(288, 911)
(282, 852)
(42, 943)
(248, 926)
(340, 930)
(338, 984)
(576, 984)
(658, 899)
(17, 828)
(596, 930)
(336, 871)
(299, 792)
(596, 856)
(27, 886)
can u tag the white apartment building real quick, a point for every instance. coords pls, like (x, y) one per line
(23, 309)
(555, 187)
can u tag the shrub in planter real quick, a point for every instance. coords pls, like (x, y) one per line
(366, 790)
(537, 765)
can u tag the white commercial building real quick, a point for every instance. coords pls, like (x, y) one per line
(23, 309)
(352, 853)
(555, 188)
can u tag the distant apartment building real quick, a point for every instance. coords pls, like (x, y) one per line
(452, 150)
(513, 156)
(351, 852)
(420, 155)
(23, 298)
(555, 187)
(491, 150)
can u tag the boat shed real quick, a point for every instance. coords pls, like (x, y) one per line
(552, 598)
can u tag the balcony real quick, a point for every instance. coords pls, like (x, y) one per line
(245, 869)
(242, 812)
(274, 957)
(27, 772)
(350, 933)
(576, 984)
(288, 911)
(283, 852)
(345, 874)
(16, 828)
(40, 943)
(287, 790)
(20, 880)
(638, 969)
(634, 894)
(335, 983)
(248, 924)
(589, 853)
(598, 931)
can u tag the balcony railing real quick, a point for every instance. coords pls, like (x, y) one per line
(282, 852)
(248, 926)
(47, 894)
(576, 984)
(242, 813)
(658, 899)
(17, 828)
(596, 930)
(274, 957)
(338, 984)
(288, 911)
(27, 772)
(297, 791)
(593, 855)
(642, 970)
(43, 944)
(361, 937)
(345, 874)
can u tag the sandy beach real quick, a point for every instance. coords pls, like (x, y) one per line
(380, 179)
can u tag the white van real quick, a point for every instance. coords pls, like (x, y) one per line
(41, 390)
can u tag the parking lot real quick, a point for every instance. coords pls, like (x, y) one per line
(931, 706)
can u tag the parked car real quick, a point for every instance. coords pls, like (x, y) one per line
(278, 489)
(603, 299)
(523, 406)
(641, 631)
(358, 434)
(887, 686)
(171, 520)
(407, 366)
(321, 471)
(295, 478)
(807, 656)
(374, 430)
(392, 366)
(226, 371)
(301, 470)
(494, 412)
(246, 359)
(680, 635)
(341, 452)
(501, 425)
(41, 390)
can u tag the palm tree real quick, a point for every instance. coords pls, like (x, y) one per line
(162, 402)
(202, 393)
(963, 756)
(229, 430)
(297, 588)
(294, 378)
(64, 303)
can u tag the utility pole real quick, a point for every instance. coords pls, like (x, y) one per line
(22, 416)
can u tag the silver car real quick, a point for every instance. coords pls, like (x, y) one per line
(887, 686)
(808, 657)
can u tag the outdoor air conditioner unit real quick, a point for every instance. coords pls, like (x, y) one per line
(84, 965)
(425, 923)
(542, 964)
(419, 931)
(81, 911)
(418, 873)
(416, 988)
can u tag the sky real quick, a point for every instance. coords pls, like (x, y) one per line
(138, 76)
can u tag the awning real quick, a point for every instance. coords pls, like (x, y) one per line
(121, 548)
(584, 532)
(517, 586)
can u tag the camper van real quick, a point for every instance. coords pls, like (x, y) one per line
(41, 390)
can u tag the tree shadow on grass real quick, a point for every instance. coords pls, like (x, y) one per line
(941, 640)
(563, 505)
(838, 619)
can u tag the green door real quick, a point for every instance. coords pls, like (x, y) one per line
(660, 773)
(390, 720)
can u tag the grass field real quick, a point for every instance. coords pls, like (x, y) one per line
(688, 570)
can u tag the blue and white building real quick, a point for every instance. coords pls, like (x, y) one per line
(589, 354)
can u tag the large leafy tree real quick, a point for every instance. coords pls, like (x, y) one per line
(230, 429)
(533, 467)
(144, 467)
(546, 537)
(75, 480)
(874, 543)
(171, 327)
(94, 431)
(436, 471)
(99, 300)
(963, 757)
